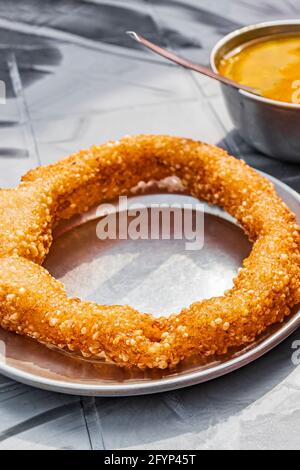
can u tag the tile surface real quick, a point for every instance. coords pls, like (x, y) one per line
(74, 78)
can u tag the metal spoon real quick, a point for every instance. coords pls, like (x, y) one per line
(189, 65)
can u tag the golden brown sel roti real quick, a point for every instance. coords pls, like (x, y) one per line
(35, 304)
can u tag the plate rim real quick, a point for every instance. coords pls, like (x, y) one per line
(164, 384)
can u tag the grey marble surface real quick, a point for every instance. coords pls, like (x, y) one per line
(73, 79)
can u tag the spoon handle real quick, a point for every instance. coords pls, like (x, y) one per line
(187, 64)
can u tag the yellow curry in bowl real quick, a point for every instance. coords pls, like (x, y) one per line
(270, 65)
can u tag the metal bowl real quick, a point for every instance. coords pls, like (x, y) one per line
(269, 125)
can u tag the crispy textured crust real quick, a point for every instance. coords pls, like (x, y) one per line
(35, 304)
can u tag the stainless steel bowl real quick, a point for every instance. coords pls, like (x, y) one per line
(273, 127)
